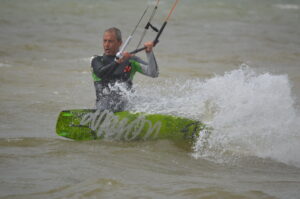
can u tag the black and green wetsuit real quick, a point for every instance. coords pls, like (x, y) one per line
(106, 73)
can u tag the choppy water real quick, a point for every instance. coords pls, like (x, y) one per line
(232, 64)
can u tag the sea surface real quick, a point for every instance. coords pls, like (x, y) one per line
(233, 64)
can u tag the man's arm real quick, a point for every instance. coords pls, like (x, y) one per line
(150, 67)
(102, 70)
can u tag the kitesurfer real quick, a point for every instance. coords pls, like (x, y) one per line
(112, 76)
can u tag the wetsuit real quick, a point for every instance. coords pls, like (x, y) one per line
(107, 73)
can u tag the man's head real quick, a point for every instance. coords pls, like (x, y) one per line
(112, 40)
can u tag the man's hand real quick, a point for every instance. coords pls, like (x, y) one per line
(149, 46)
(125, 56)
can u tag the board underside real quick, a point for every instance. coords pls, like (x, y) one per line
(91, 124)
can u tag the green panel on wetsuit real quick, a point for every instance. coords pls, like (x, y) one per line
(89, 124)
(95, 77)
(135, 67)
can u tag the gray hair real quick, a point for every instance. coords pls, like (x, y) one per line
(117, 33)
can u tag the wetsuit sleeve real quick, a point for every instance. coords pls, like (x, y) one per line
(149, 68)
(101, 70)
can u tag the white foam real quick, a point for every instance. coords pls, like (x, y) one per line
(287, 6)
(254, 115)
(251, 114)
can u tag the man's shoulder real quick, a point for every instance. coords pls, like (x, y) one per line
(96, 60)
(96, 57)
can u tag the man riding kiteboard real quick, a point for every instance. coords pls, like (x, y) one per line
(117, 68)
(111, 72)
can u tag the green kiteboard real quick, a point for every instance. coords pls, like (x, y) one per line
(91, 124)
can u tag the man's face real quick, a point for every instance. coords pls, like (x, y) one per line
(110, 43)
